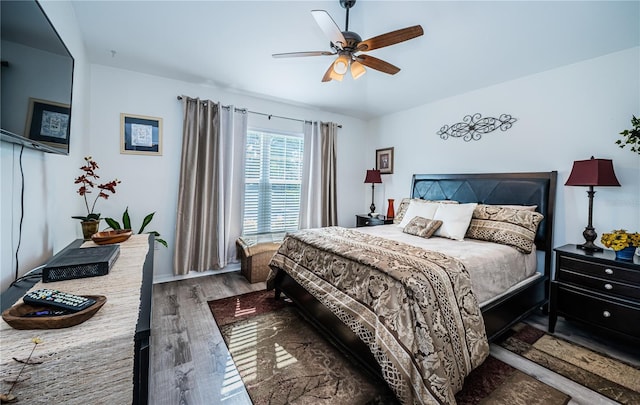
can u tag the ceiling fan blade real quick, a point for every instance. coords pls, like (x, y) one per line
(327, 74)
(390, 38)
(329, 27)
(299, 54)
(377, 64)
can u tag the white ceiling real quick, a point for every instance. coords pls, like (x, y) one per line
(467, 45)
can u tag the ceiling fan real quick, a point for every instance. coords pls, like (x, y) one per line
(348, 46)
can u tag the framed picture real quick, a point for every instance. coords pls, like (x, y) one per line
(384, 160)
(48, 122)
(140, 135)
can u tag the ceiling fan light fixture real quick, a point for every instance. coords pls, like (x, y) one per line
(341, 65)
(335, 76)
(357, 69)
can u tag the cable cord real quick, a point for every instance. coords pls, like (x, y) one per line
(31, 274)
(21, 211)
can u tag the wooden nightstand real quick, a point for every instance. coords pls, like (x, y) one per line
(366, 220)
(596, 289)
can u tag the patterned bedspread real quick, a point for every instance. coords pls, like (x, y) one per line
(413, 308)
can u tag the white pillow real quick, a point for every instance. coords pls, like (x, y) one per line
(455, 220)
(418, 209)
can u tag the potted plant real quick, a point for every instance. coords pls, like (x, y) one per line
(87, 181)
(126, 224)
(631, 136)
(622, 242)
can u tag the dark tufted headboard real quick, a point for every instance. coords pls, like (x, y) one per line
(538, 188)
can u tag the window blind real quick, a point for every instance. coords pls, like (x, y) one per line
(273, 173)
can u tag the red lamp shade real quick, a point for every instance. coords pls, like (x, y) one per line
(592, 172)
(373, 176)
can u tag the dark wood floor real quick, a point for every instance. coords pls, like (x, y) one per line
(190, 364)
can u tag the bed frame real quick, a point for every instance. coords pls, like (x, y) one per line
(537, 188)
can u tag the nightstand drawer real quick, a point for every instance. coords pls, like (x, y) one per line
(607, 271)
(365, 220)
(369, 221)
(620, 316)
(605, 286)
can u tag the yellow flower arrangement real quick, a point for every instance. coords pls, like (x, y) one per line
(619, 239)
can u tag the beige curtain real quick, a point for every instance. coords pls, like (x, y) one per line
(318, 203)
(329, 131)
(208, 218)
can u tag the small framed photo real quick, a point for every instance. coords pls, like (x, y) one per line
(140, 135)
(384, 160)
(48, 122)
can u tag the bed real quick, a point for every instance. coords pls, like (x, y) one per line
(368, 323)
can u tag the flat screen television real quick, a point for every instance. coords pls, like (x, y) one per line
(37, 79)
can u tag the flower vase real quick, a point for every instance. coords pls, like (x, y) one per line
(89, 228)
(390, 210)
(626, 253)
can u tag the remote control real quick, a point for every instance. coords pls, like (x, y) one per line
(59, 299)
(47, 312)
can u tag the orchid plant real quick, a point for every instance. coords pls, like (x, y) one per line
(87, 183)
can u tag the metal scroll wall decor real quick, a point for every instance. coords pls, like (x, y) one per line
(474, 126)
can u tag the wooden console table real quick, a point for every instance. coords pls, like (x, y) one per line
(103, 360)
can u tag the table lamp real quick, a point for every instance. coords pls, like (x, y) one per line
(373, 177)
(592, 172)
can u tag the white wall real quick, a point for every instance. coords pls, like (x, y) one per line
(565, 114)
(50, 197)
(150, 183)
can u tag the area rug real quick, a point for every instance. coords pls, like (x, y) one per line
(600, 373)
(283, 360)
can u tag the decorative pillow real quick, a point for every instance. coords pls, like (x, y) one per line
(422, 227)
(455, 220)
(507, 226)
(418, 208)
(404, 205)
(520, 207)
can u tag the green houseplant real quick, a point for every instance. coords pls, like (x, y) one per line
(631, 136)
(87, 182)
(126, 224)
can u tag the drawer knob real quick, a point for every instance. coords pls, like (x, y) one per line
(608, 286)
(606, 314)
(608, 271)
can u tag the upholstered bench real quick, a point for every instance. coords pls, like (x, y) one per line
(255, 253)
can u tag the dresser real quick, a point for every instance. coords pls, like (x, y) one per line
(366, 220)
(596, 289)
(102, 360)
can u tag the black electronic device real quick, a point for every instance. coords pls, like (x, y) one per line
(36, 102)
(80, 263)
(58, 299)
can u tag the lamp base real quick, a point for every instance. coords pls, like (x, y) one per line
(590, 247)
(589, 235)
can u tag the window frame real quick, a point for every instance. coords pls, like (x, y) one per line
(262, 225)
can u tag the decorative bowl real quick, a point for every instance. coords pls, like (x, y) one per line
(109, 237)
(15, 316)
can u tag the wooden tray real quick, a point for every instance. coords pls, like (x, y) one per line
(14, 315)
(109, 237)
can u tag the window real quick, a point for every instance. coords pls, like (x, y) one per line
(273, 173)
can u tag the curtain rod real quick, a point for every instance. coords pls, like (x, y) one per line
(244, 110)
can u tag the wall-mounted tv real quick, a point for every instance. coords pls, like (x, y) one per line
(37, 79)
